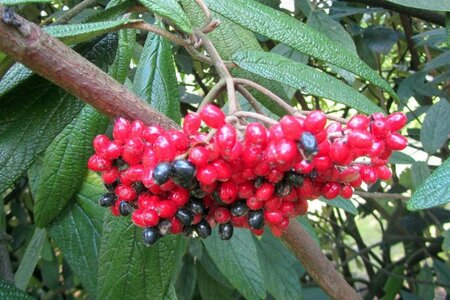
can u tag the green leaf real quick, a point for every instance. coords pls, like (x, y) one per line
(435, 191)
(435, 130)
(425, 291)
(155, 80)
(125, 49)
(31, 116)
(112, 11)
(128, 268)
(393, 284)
(419, 173)
(339, 202)
(78, 232)
(278, 267)
(287, 30)
(30, 259)
(210, 288)
(446, 242)
(17, 2)
(187, 279)
(65, 164)
(15, 75)
(401, 158)
(314, 293)
(303, 77)
(380, 39)
(10, 292)
(447, 27)
(237, 260)
(437, 5)
(171, 10)
(77, 33)
(443, 272)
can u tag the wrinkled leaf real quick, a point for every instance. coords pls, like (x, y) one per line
(435, 130)
(170, 9)
(10, 292)
(443, 272)
(419, 173)
(127, 267)
(425, 291)
(278, 266)
(210, 288)
(16, 74)
(438, 5)
(78, 232)
(303, 77)
(435, 191)
(285, 29)
(121, 64)
(65, 164)
(339, 202)
(446, 242)
(30, 258)
(401, 158)
(155, 80)
(187, 279)
(237, 260)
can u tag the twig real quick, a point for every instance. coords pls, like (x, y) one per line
(253, 115)
(213, 93)
(317, 264)
(231, 92)
(218, 62)
(377, 195)
(206, 13)
(250, 99)
(197, 55)
(151, 28)
(66, 17)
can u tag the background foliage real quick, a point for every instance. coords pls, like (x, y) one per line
(362, 55)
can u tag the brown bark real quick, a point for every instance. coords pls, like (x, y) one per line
(28, 44)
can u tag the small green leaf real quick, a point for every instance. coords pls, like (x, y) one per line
(125, 49)
(443, 272)
(437, 5)
(435, 191)
(17, 2)
(155, 80)
(112, 11)
(401, 158)
(339, 202)
(77, 33)
(30, 259)
(129, 269)
(446, 242)
(278, 267)
(78, 232)
(10, 292)
(210, 288)
(393, 284)
(303, 77)
(237, 260)
(419, 173)
(425, 290)
(435, 130)
(287, 30)
(171, 10)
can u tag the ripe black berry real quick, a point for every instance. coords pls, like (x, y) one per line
(256, 219)
(196, 206)
(187, 184)
(164, 227)
(150, 235)
(258, 181)
(203, 229)
(162, 173)
(139, 187)
(198, 193)
(226, 231)
(294, 178)
(185, 216)
(107, 199)
(307, 143)
(283, 188)
(125, 208)
(111, 186)
(183, 170)
(239, 208)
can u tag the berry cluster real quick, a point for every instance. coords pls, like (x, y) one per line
(190, 181)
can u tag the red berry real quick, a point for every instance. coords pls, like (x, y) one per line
(333, 127)
(322, 163)
(222, 215)
(339, 152)
(100, 142)
(136, 128)
(179, 195)
(255, 133)
(125, 192)
(251, 155)
(262, 169)
(178, 139)
(273, 203)
(98, 163)
(212, 116)
(166, 209)
(368, 174)
(358, 122)
(245, 190)
(121, 130)
(331, 190)
(177, 226)
(287, 208)
(207, 174)
(396, 121)
(135, 172)
(315, 121)
(253, 203)
(265, 191)
(199, 156)
(347, 191)
(349, 174)
(304, 167)
(286, 151)
(384, 173)
(275, 133)
(379, 128)
(273, 217)
(164, 149)
(151, 133)
(376, 149)
(223, 169)
(150, 218)
(191, 123)
(291, 127)
(228, 192)
(149, 159)
(359, 139)
(110, 176)
(396, 141)
(133, 150)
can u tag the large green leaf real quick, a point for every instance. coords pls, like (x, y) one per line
(77, 33)
(210, 288)
(155, 80)
(285, 29)
(129, 269)
(125, 49)
(339, 202)
(170, 9)
(187, 279)
(439, 5)
(10, 292)
(419, 173)
(435, 191)
(78, 232)
(442, 271)
(237, 260)
(303, 77)
(278, 267)
(436, 128)
(64, 165)
(425, 290)
(30, 258)
(16, 74)
(31, 116)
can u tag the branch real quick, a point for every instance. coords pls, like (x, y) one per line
(51, 59)
(376, 195)
(68, 15)
(149, 27)
(317, 264)
(428, 16)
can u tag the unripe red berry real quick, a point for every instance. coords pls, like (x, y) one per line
(178, 139)
(368, 174)
(273, 217)
(166, 209)
(251, 155)
(222, 215)
(223, 169)
(265, 191)
(376, 149)
(136, 128)
(333, 127)
(347, 191)
(206, 175)
(255, 133)
(179, 195)
(191, 123)
(396, 141)
(100, 142)
(98, 163)
(121, 130)
(286, 151)
(228, 192)
(322, 163)
(331, 190)
(291, 127)
(315, 121)
(135, 172)
(150, 218)
(164, 149)
(275, 133)
(358, 122)
(149, 159)
(379, 128)
(272, 204)
(212, 116)
(304, 167)
(150, 133)
(396, 121)
(125, 192)
(349, 174)
(359, 139)
(133, 150)
(339, 152)
(253, 203)
(110, 176)
(383, 172)
(199, 156)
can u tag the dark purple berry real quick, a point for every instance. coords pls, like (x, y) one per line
(256, 219)
(307, 143)
(107, 199)
(196, 206)
(226, 231)
(125, 208)
(203, 229)
(294, 178)
(183, 170)
(185, 216)
(239, 208)
(283, 188)
(150, 235)
(162, 173)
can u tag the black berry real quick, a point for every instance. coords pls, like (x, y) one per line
(183, 170)
(203, 229)
(294, 178)
(256, 219)
(196, 206)
(107, 199)
(283, 188)
(308, 143)
(150, 235)
(164, 227)
(258, 181)
(162, 173)
(185, 216)
(239, 208)
(226, 231)
(125, 208)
